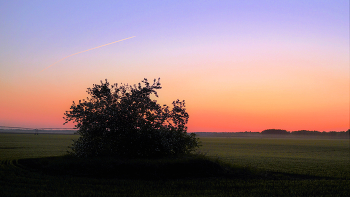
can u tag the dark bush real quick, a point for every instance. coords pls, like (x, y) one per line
(305, 132)
(274, 131)
(123, 121)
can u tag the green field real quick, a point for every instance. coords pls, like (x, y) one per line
(318, 157)
(20, 146)
(274, 167)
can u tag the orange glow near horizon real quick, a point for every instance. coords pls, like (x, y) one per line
(221, 122)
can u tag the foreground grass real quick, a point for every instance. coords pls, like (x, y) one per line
(28, 169)
(315, 157)
(65, 176)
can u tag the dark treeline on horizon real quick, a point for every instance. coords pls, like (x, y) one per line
(266, 132)
(305, 132)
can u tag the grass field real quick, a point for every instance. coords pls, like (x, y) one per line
(264, 167)
(317, 157)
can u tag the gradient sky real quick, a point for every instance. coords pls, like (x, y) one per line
(240, 65)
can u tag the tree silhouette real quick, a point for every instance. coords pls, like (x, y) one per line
(123, 121)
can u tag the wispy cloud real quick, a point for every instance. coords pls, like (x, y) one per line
(86, 51)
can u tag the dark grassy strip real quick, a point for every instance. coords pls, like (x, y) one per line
(67, 176)
(190, 166)
(183, 167)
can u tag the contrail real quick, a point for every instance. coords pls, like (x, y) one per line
(85, 51)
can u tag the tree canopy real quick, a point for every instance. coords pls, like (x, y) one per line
(123, 121)
(275, 131)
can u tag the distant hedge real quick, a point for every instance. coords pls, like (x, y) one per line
(275, 131)
(342, 134)
(318, 133)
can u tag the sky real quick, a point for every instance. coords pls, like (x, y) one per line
(239, 65)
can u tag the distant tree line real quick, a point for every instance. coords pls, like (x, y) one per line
(275, 131)
(307, 132)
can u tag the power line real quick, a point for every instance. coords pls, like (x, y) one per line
(27, 128)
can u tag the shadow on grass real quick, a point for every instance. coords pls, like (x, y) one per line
(188, 166)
